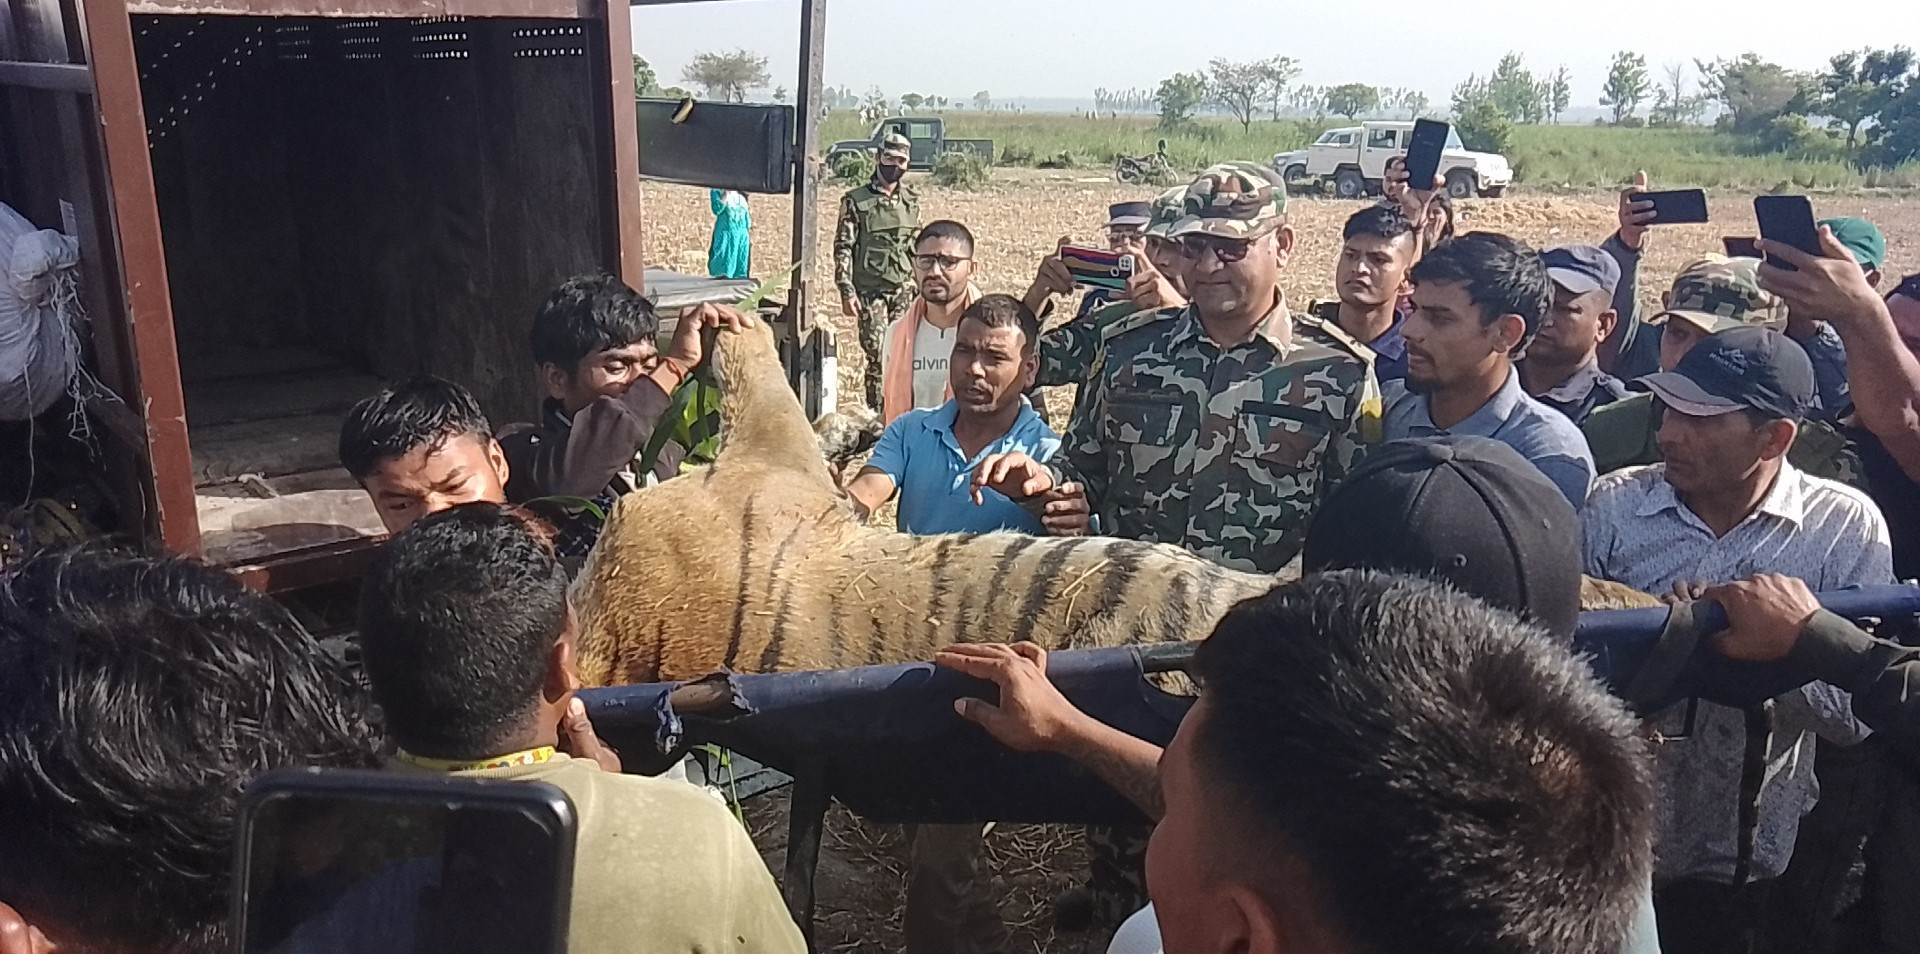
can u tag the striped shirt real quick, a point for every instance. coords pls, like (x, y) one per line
(1638, 532)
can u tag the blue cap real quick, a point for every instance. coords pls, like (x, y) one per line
(1582, 268)
(1129, 215)
(1744, 367)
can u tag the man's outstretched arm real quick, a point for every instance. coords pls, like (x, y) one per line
(1034, 717)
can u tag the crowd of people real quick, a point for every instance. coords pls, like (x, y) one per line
(1398, 751)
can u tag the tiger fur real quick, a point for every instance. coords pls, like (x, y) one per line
(757, 563)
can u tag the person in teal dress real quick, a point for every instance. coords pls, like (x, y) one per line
(731, 252)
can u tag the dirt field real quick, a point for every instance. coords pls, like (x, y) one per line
(1020, 216)
(1016, 220)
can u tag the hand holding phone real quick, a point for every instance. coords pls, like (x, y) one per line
(1098, 267)
(1676, 206)
(1787, 219)
(1424, 148)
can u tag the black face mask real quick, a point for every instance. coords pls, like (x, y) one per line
(889, 174)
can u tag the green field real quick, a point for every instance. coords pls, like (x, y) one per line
(1543, 157)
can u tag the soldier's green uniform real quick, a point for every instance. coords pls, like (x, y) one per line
(1714, 294)
(1224, 451)
(873, 258)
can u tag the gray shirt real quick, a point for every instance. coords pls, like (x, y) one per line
(1636, 531)
(1541, 434)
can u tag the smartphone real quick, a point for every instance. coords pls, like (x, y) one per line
(1741, 246)
(1676, 207)
(1787, 219)
(391, 863)
(1098, 267)
(1424, 146)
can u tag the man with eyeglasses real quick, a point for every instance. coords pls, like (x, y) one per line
(873, 250)
(913, 360)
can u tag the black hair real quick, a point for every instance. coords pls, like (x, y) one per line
(1444, 202)
(420, 412)
(586, 314)
(141, 695)
(1005, 311)
(945, 229)
(1450, 779)
(458, 618)
(1385, 221)
(1502, 275)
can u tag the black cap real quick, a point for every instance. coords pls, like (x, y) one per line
(1468, 511)
(1129, 215)
(1582, 268)
(1747, 367)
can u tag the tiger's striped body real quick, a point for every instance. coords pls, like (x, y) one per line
(757, 563)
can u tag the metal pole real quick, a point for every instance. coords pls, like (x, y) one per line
(813, 32)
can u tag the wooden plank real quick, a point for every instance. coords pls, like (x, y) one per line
(269, 448)
(147, 306)
(267, 398)
(626, 225)
(64, 77)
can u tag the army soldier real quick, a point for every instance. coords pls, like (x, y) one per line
(873, 252)
(1219, 425)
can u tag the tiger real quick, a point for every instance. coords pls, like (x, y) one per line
(758, 563)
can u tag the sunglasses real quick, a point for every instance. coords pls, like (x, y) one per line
(1228, 251)
(945, 263)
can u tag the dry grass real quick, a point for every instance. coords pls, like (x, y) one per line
(1017, 218)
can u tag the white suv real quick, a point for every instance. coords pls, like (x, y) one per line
(1355, 157)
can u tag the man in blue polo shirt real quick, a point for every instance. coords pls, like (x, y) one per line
(928, 456)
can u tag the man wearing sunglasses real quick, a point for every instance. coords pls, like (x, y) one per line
(1216, 426)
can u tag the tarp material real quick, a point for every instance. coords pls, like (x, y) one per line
(887, 744)
(39, 345)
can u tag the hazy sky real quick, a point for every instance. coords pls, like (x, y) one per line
(1066, 48)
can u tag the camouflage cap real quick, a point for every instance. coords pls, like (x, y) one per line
(1239, 200)
(896, 145)
(1167, 208)
(1716, 293)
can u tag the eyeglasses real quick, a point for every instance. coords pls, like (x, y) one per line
(1227, 251)
(945, 263)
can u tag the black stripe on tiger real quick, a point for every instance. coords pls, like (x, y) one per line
(783, 604)
(926, 629)
(1127, 559)
(1177, 611)
(1003, 565)
(1041, 590)
(746, 580)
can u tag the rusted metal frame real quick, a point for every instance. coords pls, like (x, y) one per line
(806, 178)
(63, 77)
(611, 23)
(336, 9)
(308, 566)
(144, 295)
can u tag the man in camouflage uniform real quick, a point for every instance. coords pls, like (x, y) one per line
(873, 252)
(1711, 294)
(1217, 426)
(1068, 351)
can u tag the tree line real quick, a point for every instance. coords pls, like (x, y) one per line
(1863, 106)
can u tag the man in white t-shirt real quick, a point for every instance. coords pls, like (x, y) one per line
(918, 345)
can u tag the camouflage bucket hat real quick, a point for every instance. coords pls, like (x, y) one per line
(1717, 293)
(896, 145)
(1237, 200)
(1167, 208)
